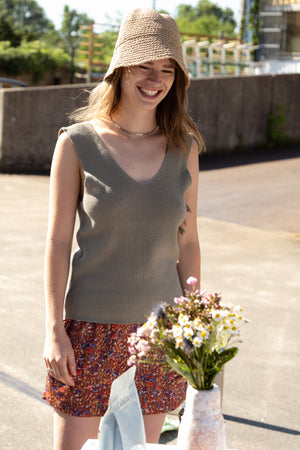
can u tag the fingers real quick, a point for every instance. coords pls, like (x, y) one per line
(59, 358)
(71, 363)
(50, 369)
(60, 371)
(63, 373)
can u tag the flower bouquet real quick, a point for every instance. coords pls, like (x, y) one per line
(192, 336)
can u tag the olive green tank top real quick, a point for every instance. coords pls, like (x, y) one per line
(127, 253)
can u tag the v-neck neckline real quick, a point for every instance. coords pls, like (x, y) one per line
(121, 170)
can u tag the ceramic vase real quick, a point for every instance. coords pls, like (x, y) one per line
(202, 426)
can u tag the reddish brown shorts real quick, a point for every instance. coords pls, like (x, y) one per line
(101, 353)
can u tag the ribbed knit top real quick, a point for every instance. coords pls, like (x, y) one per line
(127, 251)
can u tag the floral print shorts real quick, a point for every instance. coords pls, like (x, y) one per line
(101, 353)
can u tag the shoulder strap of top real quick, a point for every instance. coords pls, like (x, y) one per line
(88, 149)
(79, 133)
(190, 138)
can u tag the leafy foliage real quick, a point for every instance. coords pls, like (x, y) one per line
(206, 18)
(31, 57)
(53, 38)
(255, 21)
(109, 39)
(192, 337)
(72, 21)
(8, 32)
(30, 43)
(29, 16)
(276, 124)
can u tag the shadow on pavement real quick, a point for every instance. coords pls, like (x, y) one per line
(239, 158)
(168, 437)
(268, 426)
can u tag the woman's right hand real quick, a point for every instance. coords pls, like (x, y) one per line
(59, 356)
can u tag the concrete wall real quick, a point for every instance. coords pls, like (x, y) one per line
(231, 112)
(30, 119)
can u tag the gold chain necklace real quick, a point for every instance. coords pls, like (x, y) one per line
(148, 133)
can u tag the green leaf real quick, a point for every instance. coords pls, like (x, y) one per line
(184, 372)
(226, 355)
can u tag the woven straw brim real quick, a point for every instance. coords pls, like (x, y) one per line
(147, 36)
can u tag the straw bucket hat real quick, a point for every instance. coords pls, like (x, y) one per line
(145, 35)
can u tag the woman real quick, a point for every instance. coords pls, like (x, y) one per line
(130, 169)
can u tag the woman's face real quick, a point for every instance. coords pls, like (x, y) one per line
(146, 85)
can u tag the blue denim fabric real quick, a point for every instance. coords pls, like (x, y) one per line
(122, 427)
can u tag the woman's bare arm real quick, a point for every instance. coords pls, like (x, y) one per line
(189, 256)
(64, 193)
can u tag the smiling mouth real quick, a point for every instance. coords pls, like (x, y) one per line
(149, 92)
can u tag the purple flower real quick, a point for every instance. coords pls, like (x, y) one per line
(187, 345)
(159, 312)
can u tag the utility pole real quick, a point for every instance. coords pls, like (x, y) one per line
(153, 4)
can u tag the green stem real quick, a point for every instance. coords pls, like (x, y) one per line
(188, 363)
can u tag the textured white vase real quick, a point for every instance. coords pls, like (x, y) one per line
(202, 426)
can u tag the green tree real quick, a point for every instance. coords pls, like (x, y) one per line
(53, 38)
(255, 21)
(109, 39)
(8, 33)
(72, 21)
(254, 25)
(206, 8)
(27, 16)
(71, 30)
(31, 58)
(29, 42)
(206, 18)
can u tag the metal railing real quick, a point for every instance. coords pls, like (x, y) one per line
(12, 82)
(206, 58)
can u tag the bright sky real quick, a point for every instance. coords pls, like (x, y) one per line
(97, 9)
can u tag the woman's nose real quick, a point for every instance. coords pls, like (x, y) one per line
(154, 76)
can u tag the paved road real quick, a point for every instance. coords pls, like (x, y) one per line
(258, 189)
(254, 265)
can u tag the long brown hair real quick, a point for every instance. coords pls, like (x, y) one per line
(172, 116)
(171, 113)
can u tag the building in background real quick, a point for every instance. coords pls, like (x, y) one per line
(280, 29)
(277, 24)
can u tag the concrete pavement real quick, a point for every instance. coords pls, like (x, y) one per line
(254, 267)
(260, 189)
